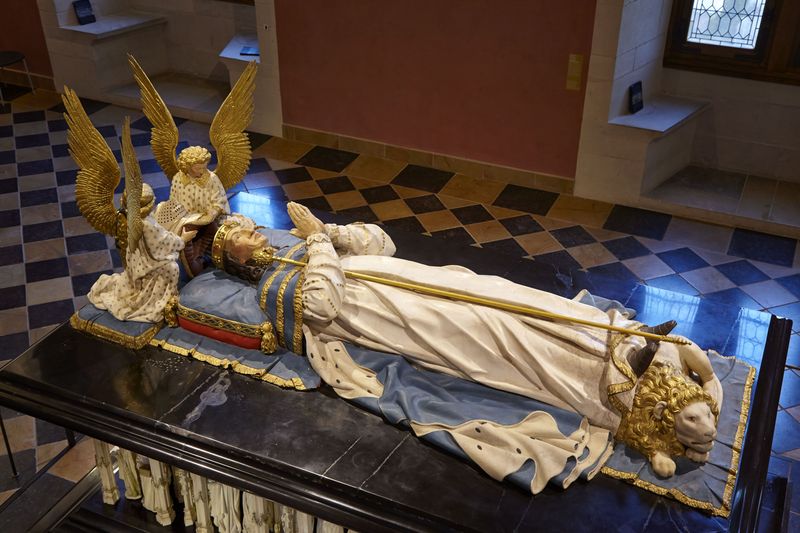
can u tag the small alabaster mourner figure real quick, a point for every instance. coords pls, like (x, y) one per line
(583, 369)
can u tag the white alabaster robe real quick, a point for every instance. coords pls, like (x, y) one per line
(562, 364)
(141, 291)
(199, 197)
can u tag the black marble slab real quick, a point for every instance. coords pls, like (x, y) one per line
(322, 455)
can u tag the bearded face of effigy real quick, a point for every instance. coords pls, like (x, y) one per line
(242, 242)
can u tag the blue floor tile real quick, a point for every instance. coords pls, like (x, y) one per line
(161, 194)
(86, 243)
(616, 271)
(735, 297)
(57, 125)
(38, 197)
(47, 433)
(11, 297)
(28, 116)
(8, 185)
(572, 236)
(521, 225)
(66, 177)
(626, 248)
(614, 286)
(384, 193)
(25, 461)
(70, 209)
(320, 203)
(29, 141)
(47, 269)
(526, 199)
(471, 214)
(82, 283)
(655, 306)
(673, 282)
(713, 324)
(791, 284)
(7, 157)
(790, 311)
(793, 355)
(49, 313)
(257, 139)
(276, 192)
(149, 166)
(6, 131)
(258, 164)
(410, 224)
(560, 260)
(13, 345)
(334, 185)
(423, 178)
(638, 222)
(10, 255)
(790, 390)
(29, 168)
(762, 247)
(505, 246)
(327, 158)
(292, 175)
(116, 261)
(362, 213)
(454, 235)
(742, 272)
(60, 150)
(424, 204)
(139, 139)
(42, 231)
(141, 124)
(9, 218)
(682, 260)
(748, 336)
(787, 433)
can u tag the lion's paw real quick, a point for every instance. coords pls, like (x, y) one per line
(662, 464)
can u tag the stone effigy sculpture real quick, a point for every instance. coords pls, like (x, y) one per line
(345, 297)
(554, 362)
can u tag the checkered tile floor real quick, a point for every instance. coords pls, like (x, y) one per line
(50, 256)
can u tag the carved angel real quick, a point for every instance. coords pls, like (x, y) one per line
(150, 278)
(197, 194)
(98, 176)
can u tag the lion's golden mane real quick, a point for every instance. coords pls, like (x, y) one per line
(641, 429)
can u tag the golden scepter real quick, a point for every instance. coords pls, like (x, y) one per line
(267, 256)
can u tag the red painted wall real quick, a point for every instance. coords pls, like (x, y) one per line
(475, 79)
(21, 30)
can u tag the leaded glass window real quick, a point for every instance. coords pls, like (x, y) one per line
(733, 23)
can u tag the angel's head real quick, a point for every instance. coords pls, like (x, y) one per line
(193, 161)
(145, 204)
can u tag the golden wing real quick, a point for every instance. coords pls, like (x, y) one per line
(133, 187)
(164, 133)
(98, 176)
(227, 130)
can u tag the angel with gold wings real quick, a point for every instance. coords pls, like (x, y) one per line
(197, 195)
(150, 279)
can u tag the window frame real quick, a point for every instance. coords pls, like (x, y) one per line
(775, 58)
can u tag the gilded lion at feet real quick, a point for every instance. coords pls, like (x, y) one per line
(671, 415)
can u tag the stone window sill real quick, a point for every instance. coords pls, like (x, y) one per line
(662, 113)
(117, 24)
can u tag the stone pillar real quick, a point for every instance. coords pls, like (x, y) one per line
(102, 457)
